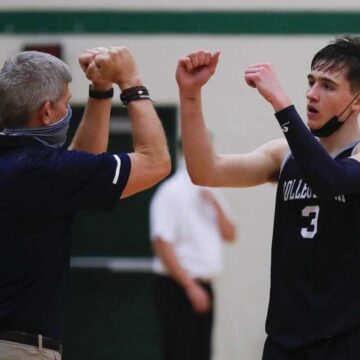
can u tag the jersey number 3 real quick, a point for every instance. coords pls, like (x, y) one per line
(311, 212)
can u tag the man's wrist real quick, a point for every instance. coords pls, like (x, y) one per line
(134, 93)
(190, 95)
(126, 84)
(101, 94)
(280, 103)
(100, 86)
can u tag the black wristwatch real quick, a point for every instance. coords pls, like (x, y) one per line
(98, 94)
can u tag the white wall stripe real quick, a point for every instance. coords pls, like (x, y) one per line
(183, 5)
(115, 264)
(117, 171)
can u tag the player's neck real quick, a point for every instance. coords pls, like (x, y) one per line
(346, 135)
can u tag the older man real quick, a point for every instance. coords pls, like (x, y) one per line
(42, 184)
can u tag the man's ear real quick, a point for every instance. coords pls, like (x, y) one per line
(45, 113)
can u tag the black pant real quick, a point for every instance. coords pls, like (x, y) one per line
(185, 334)
(340, 347)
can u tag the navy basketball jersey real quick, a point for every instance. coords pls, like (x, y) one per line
(315, 271)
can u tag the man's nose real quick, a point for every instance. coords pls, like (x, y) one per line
(312, 93)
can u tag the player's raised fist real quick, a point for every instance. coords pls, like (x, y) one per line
(194, 70)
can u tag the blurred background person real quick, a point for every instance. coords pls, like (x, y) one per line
(187, 226)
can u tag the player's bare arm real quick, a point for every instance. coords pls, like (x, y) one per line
(204, 165)
(250, 169)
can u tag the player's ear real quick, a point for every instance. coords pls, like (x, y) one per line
(356, 108)
(356, 103)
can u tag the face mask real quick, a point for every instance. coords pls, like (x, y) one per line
(53, 135)
(333, 124)
(329, 128)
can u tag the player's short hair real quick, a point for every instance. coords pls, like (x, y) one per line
(343, 53)
(27, 81)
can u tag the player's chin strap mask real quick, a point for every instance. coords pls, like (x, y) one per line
(333, 124)
(53, 135)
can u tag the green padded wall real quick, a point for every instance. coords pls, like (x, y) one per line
(110, 316)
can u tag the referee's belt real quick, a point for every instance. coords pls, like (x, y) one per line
(31, 339)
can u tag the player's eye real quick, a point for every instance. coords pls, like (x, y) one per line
(328, 86)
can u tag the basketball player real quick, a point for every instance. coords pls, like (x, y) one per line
(314, 308)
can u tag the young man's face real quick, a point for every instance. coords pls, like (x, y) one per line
(328, 95)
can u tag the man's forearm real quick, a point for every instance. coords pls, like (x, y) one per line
(226, 225)
(198, 150)
(150, 161)
(92, 134)
(148, 134)
(165, 252)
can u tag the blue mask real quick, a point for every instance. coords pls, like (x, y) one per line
(53, 135)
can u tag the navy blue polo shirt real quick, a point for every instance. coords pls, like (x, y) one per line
(40, 189)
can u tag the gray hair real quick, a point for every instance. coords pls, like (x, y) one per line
(27, 81)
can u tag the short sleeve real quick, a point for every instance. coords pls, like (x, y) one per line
(83, 181)
(162, 215)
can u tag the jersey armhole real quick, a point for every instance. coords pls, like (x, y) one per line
(284, 161)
